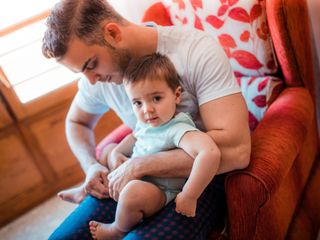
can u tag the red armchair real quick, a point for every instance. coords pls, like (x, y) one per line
(277, 196)
(282, 182)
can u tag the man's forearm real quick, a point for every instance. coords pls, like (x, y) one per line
(174, 163)
(82, 143)
(177, 163)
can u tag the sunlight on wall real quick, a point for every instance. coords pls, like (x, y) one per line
(15, 11)
(30, 74)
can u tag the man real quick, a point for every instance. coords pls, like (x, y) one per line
(88, 36)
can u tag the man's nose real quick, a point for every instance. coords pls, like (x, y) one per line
(92, 77)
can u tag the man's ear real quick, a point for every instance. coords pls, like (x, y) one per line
(112, 33)
(178, 93)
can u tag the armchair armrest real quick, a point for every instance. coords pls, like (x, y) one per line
(276, 143)
(115, 136)
(277, 139)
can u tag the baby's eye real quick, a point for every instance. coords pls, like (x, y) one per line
(137, 104)
(157, 99)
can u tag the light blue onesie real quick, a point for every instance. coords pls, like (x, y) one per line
(162, 138)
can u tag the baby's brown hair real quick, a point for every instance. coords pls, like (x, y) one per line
(154, 67)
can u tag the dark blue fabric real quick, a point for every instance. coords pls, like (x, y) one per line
(167, 224)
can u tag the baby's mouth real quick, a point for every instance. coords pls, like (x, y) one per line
(152, 119)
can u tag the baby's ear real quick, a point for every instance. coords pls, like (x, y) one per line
(178, 93)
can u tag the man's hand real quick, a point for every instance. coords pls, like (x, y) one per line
(186, 205)
(119, 178)
(96, 183)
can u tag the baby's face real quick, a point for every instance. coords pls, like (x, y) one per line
(154, 102)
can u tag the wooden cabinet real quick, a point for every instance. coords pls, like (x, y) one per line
(49, 133)
(5, 118)
(35, 159)
(17, 169)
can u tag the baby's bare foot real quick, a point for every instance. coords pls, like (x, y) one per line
(102, 231)
(74, 195)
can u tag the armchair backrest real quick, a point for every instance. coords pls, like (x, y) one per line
(240, 26)
(290, 30)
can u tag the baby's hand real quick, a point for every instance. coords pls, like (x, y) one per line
(186, 205)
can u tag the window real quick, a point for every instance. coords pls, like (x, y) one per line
(24, 68)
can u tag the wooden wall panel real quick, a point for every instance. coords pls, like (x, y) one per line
(35, 159)
(49, 132)
(18, 173)
(5, 118)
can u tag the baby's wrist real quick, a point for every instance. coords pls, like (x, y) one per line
(189, 196)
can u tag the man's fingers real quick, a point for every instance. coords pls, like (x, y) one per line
(98, 194)
(99, 190)
(104, 178)
(111, 175)
(96, 186)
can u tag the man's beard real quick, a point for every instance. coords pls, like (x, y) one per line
(123, 58)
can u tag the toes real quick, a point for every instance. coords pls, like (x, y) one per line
(93, 223)
(93, 229)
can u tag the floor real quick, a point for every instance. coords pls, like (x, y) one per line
(38, 223)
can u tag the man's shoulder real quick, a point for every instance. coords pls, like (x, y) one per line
(181, 30)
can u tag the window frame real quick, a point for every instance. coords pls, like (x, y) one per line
(55, 97)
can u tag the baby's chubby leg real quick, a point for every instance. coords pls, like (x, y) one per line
(77, 194)
(137, 200)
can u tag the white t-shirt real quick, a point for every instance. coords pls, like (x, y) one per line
(200, 61)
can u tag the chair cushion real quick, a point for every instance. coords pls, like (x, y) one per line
(239, 25)
(259, 93)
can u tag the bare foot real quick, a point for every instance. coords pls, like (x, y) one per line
(102, 231)
(74, 195)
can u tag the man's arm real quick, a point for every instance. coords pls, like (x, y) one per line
(174, 163)
(226, 120)
(80, 136)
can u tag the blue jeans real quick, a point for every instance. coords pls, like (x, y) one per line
(166, 224)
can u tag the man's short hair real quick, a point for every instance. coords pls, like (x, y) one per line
(152, 67)
(76, 18)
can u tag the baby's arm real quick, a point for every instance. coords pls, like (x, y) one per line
(121, 152)
(206, 163)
